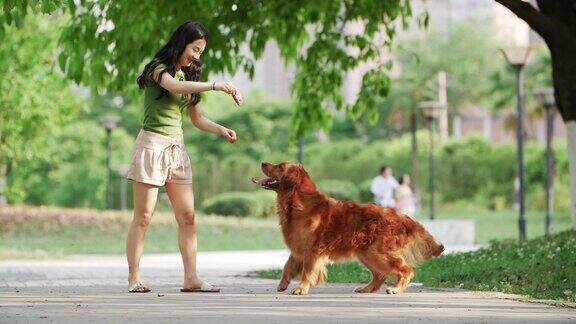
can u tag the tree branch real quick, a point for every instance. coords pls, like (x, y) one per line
(563, 11)
(541, 23)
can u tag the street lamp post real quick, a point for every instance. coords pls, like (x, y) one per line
(518, 56)
(431, 111)
(109, 122)
(546, 98)
(123, 172)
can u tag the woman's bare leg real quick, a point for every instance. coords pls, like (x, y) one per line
(182, 200)
(145, 196)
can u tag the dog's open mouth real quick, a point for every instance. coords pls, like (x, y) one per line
(268, 183)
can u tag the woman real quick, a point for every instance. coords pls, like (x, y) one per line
(405, 202)
(170, 84)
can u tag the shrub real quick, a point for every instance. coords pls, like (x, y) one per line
(462, 168)
(268, 200)
(339, 189)
(472, 169)
(214, 175)
(324, 160)
(233, 204)
(365, 193)
(536, 198)
(245, 204)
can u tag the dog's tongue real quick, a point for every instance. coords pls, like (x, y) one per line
(263, 182)
(258, 182)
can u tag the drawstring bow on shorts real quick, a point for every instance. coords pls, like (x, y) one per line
(172, 157)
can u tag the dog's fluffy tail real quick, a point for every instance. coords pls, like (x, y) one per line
(422, 248)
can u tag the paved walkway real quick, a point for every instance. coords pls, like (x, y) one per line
(92, 289)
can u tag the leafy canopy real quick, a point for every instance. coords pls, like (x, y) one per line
(106, 43)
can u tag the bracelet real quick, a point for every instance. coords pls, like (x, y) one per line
(213, 86)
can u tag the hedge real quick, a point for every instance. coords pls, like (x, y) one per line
(243, 204)
(339, 189)
(473, 169)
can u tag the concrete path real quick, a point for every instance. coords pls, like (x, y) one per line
(92, 289)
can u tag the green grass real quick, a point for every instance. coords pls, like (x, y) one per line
(214, 233)
(538, 268)
(499, 225)
(352, 272)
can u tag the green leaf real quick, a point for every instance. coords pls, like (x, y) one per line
(309, 35)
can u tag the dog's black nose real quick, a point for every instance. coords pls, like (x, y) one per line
(263, 164)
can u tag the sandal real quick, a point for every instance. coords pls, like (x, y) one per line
(138, 287)
(205, 287)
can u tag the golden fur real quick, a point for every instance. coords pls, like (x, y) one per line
(317, 229)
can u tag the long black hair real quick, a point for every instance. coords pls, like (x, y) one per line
(169, 55)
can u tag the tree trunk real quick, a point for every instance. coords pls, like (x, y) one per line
(571, 141)
(563, 53)
(555, 22)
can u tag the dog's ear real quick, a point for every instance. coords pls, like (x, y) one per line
(291, 178)
(306, 183)
(296, 176)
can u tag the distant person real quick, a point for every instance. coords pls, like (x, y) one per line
(405, 200)
(383, 187)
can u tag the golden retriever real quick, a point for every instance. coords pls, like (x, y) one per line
(318, 229)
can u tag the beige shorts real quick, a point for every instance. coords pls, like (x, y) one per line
(159, 159)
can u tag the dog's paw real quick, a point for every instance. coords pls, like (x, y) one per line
(282, 285)
(300, 291)
(392, 291)
(363, 290)
(281, 288)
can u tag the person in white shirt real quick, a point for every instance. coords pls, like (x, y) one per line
(383, 187)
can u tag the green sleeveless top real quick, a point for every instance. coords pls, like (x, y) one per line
(163, 114)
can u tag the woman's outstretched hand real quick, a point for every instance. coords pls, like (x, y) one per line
(231, 90)
(229, 134)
